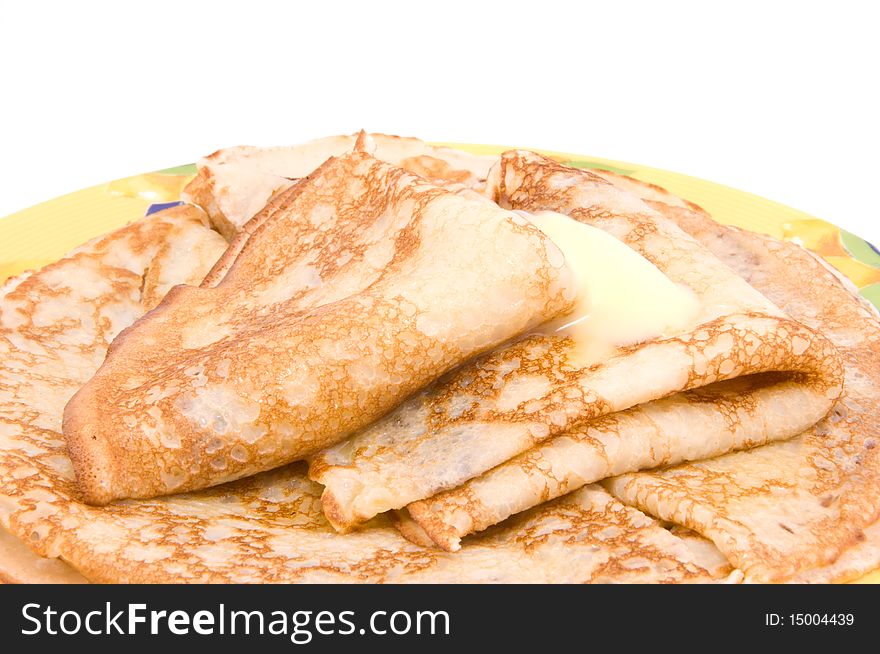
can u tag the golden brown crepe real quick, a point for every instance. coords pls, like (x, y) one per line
(480, 417)
(348, 292)
(234, 184)
(788, 508)
(692, 425)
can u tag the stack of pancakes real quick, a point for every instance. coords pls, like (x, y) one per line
(333, 364)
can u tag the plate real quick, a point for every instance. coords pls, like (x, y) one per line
(44, 233)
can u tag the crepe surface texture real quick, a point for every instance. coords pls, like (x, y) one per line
(234, 184)
(349, 291)
(20, 565)
(474, 423)
(805, 509)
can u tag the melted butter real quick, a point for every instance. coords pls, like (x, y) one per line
(622, 298)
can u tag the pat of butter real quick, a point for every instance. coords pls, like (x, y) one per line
(622, 298)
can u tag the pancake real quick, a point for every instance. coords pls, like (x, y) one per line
(848, 546)
(693, 425)
(348, 292)
(234, 184)
(862, 555)
(486, 413)
(269, 529)
(806, 508)
(55, 326)
(184, 259)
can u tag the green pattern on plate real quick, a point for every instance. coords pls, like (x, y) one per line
(598, 165)
(185, 169)
(872, 294)
(859, 249)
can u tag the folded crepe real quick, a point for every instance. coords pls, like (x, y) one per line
(350, 290)
(481, 416)
(234, 184)
(805, 509)
(56, 327)
(692, 425)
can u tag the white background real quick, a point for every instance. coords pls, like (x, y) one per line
(777, 98)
